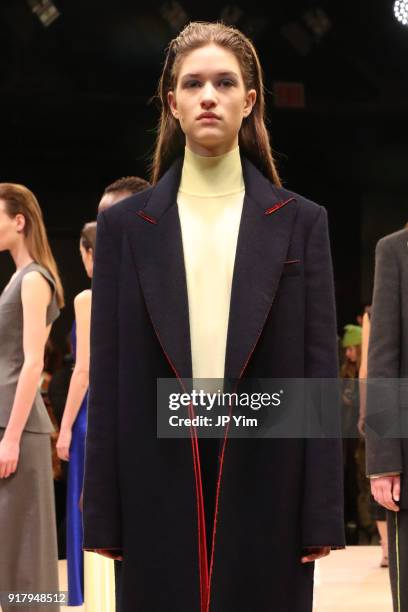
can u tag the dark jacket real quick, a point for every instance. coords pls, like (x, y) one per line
(387, 402)
(143, 495)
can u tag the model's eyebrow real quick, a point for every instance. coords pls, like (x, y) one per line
(197, 75)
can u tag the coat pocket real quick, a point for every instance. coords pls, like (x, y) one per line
(291, 267)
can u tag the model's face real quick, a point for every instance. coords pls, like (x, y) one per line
(351, 353)
(109, 199)
(87, 259)
(210, 100)
(11, 228)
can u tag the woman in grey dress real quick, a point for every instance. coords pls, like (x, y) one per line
(29, 305)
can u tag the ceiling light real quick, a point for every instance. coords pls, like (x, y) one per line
(45, 10)
(401, 11)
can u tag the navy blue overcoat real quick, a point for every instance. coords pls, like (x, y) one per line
(145, 496)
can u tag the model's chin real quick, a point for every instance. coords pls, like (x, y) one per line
(209, 136)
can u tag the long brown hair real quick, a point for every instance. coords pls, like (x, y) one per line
(350, 369)
(21, 201)
(253, 136)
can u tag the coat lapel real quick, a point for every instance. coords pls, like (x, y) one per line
(156, 241)
(263, 242)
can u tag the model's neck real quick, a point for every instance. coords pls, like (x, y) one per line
(21, 256)
(212, 176)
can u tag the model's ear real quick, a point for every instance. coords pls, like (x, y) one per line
(20, 223)
(171, 99)
(250, 100)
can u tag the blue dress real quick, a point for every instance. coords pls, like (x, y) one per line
(75, 558)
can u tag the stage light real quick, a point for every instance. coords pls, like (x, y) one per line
(175, 15)
(401, 11)
(317, 21)
(231, 14)
(45, 10)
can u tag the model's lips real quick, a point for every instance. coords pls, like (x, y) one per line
(208, 116)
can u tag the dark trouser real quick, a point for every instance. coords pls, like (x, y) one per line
(398, 558)
(118, 574)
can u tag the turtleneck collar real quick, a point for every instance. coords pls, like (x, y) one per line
(212, 176)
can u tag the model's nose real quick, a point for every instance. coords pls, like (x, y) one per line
(208, 97)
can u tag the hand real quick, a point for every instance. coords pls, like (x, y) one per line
(111, 553)
(64, 443)
(315, 552)
(386, 491)
(9, 454)
(361, 426)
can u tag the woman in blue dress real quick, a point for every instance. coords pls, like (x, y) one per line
(71, 440)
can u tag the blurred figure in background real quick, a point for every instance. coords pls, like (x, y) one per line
(71, 447)
(121, 189)
(115, 192)
(351, 344)
(386, 418)
(29, 305)
(377, 511)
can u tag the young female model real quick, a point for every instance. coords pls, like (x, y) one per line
(215, 271)
(29, 305)
(71, 447)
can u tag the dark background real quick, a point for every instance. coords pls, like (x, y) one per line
(77, 113)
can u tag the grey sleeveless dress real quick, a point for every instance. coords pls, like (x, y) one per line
(28, 540)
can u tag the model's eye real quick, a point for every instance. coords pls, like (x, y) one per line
(192, 84)
(226, 83)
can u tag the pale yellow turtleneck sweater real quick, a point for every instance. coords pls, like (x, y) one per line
(210, 200)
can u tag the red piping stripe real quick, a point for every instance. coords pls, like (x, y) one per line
(146, 217)
(202, 553)
(202, 545)
(216, 512)
(205, 574)
(222, 464)
(202, 542)
(278, 205)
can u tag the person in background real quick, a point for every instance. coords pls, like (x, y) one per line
(115, 192)
(377, 511)
(351, 345)
(71, 447)
(386, 414)
(120, 189)
(29, 305)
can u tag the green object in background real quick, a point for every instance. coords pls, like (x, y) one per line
(352, 335)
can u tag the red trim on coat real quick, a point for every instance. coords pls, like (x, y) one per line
(278, 205)
(202, 544)
(202, 540)
(222, 465)
(292, 261)
(146, 217)
(217, 494)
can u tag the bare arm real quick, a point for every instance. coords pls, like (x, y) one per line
(35, 297)
(80, 376)
(363, 372)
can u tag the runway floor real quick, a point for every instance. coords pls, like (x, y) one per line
(347, 581)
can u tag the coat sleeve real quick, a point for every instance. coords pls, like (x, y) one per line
(384, 452)
(322, 512)
(101, 503)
